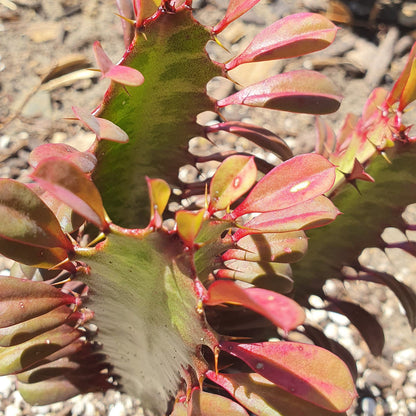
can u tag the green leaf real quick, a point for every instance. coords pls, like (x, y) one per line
(43, 257)
(234, 177)
(159, 193)
(22, 299)
(23, 355)
(69, 184)
(21, 332)
(303, 370)
(188, 224)
(29, 220)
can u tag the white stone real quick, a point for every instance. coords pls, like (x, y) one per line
(89, 409)
(331, 331)
(409, 391)
(338, 318)
(6, 386)
(117, 410)
(411, 376)
(406, 357)
(12, 410)
(316, 315)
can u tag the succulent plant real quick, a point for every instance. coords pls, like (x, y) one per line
(182, 293)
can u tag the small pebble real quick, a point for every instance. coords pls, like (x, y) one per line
(368, 404)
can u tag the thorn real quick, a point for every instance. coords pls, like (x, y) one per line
(126, 90)
(358, 172)
(216, 355)
(144, 35)
(96, 240)
(62, 263)
(384, 154)
(218, 42)
(232, 80)
(132, 22)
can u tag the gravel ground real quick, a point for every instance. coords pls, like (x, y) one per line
(35, 35)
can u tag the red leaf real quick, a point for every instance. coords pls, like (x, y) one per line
(294, 35)
(117, 73)
(404, 89)
(297, 180)
(303, 216)
(69, 184)
(236, 8)
(233, 178)
(262, 397)
(282, 311)
(258, 135)
(304, 370)
(300, 91)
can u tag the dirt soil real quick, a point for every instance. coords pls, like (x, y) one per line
(45, 50)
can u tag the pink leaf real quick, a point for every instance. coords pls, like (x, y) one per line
(234, 177)
(291, 36)
(282, 311)
(276, 247)
(117, 73)
(86, 161)
(309, 372)
(102, 128)
(304, 216)
(262, 397)
(126, 10)
(297, 180)
(209, 404)
(300, 91)
(69, 184)
(236, 8)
